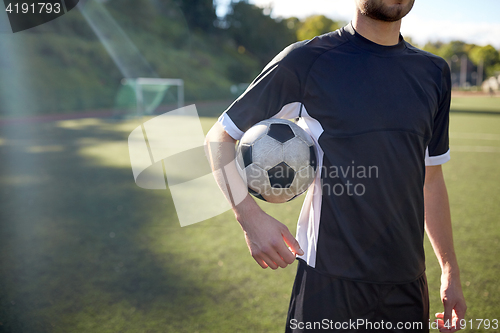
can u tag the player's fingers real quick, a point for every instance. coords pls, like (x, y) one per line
(272, 252)
(460, 310)
(276, 258)
(442, 327)
(448, 323)
(448, 308)
(291, 241)
(457, 318)
(269, 262)
(261, 257)
(261, 262)
(285, 253)
(445, 326)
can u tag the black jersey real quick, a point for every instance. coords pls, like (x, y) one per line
(379, 115)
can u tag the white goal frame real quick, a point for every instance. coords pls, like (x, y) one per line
(138, 83)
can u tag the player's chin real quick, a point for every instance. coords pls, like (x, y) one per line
(399, 10)
(404, 4)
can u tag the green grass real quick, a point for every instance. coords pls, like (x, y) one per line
(490, 104)
(472, 178)
(83, 249)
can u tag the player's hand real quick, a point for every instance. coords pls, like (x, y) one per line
(454, 305)
(267, 240)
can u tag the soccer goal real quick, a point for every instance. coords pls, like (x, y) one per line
(145, 95)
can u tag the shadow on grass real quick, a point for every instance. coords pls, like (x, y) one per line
(493, 113)
(76, 239)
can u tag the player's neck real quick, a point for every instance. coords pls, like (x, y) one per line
(380, 32)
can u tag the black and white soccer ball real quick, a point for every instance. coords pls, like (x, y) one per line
(277, 159)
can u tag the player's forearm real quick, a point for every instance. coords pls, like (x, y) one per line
(438, 221)
(264, 235)
(219, 147)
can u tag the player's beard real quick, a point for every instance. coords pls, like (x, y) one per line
(378, 10)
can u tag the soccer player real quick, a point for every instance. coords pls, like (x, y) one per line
(371, 101)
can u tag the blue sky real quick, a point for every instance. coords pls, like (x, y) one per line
(473, 21)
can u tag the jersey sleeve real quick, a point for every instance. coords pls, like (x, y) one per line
(277, 86)
(438, 150)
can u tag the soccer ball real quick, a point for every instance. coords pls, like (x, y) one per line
(277, 159)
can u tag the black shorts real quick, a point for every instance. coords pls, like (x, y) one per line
(322, 303)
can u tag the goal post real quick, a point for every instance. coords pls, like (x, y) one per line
(150, 92)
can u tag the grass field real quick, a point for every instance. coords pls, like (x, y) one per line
(475, 104)
(83, 249)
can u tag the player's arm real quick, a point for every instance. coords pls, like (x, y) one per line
(439, 229)
(265, 236)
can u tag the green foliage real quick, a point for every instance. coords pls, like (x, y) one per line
(495, 69)
(433, 47)
(486, 54)
(454, 50)
(261, 35)
(153, 19)
(293, 23)
(200, 14)
(316, 25)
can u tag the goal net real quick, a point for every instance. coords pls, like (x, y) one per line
(144, 96)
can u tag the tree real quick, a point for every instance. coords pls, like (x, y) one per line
(488, 55)
(453, 48)
(409, 40)
(253, 28)
(199, 14)
(433, 47)
(316, 25)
